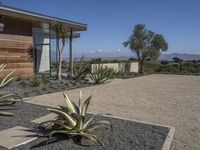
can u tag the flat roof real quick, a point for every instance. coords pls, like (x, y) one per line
(37, 17)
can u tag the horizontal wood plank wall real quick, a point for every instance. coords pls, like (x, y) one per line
(15, 47)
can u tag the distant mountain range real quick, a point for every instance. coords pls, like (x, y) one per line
(181, 56)
(162, 57)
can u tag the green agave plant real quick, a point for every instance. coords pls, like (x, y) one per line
(101, 74)
(71, 121)
(80, 73)
(7, 99)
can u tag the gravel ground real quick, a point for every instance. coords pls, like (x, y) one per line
(25, 88)
(124, 136)
(166, 99)
(24, 113)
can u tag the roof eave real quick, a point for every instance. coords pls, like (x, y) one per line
(46, 19)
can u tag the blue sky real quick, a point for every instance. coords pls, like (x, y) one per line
(110, 22)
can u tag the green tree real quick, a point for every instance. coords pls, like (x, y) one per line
(146, 44)
(60, 31)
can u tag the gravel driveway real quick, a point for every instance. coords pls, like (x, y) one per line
(166, 99)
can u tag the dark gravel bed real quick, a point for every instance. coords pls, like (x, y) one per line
(24, 113)
(28, 88)
(126, 135)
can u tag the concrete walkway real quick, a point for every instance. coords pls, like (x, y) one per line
(166, 99)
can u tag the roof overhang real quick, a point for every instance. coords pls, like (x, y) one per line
(36, 18)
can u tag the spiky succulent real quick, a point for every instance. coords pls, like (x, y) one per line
(101, 74)
(71, 120)
(7, 99)
(80, 73)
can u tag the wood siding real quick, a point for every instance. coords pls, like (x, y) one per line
(15, 47)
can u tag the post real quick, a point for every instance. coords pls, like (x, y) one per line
(50, 36)
(70, 52)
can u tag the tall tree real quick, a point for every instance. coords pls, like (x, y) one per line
(146, 44)
(60, 32)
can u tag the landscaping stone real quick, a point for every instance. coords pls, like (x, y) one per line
(16, 136)
(50, 116)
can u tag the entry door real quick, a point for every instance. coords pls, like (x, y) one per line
(42, 60)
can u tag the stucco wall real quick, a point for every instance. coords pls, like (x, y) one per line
(120, 67)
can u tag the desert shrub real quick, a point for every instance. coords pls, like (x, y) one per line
(170, 68)
(187, 66)
(111, 73)
(96, 60)
(164, 62)
(133, 59)
(72, 122)
(176, 59)
(7, 99)
(197, 66)
(45, 79)
(150, 67)
(35, 82)
(18, 79)
(194, 61)
(80, 73)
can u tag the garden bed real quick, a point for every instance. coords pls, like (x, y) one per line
(124, 136)
(32, 87)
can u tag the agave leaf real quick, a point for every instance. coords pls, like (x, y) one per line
(69, 118)
(2, 66)
(85, 106)
(7, 103)
(68, 111)
(65, 109)
(70, 104)
(76, 108)
(89, 121)
(7, 96)
(79, 102)
(7, 79)
(96, 125)
(4, 113)
(79, 123)
(91, 137)
(57, 122)
(62, 132)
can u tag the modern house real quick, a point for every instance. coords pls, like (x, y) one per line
(26, 40)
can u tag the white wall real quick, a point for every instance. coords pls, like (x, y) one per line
(122, 67)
